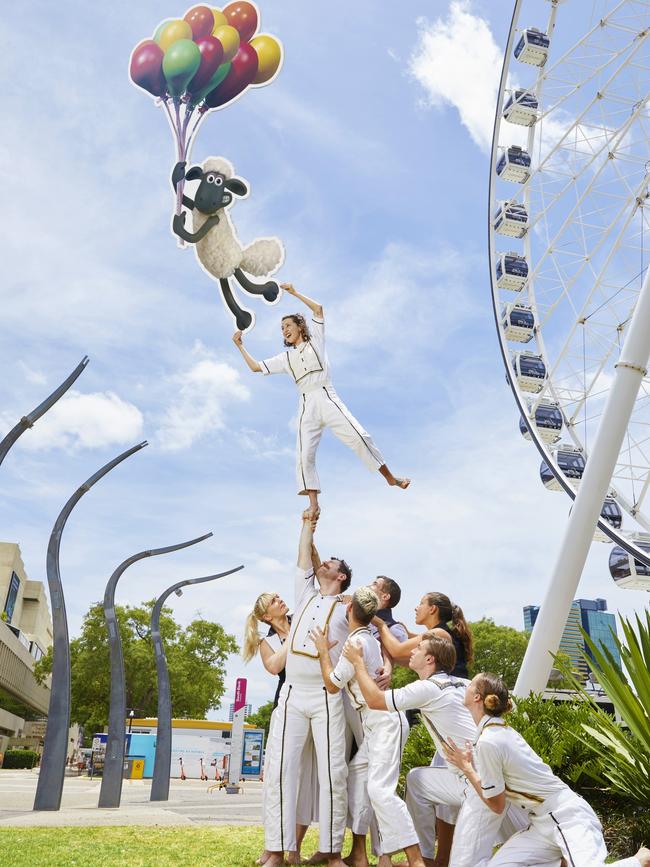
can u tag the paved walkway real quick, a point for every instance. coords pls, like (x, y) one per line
(189, 803)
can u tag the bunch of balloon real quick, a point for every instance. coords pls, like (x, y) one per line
(203, 62)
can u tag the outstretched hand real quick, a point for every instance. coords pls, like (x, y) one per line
(288, 288)
(311, 517)
(460, 757)
(321, 640)
(353, 652)
(237, 339)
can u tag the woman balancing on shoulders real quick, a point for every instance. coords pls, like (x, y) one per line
(272, 611)
(503, 768)
(319, 406)
(435, 611)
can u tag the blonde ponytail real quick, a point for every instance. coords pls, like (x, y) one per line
(252, 637)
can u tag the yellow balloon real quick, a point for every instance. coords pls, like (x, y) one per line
(229, 38)
(172, 32)
(219, 19)
(269, 55)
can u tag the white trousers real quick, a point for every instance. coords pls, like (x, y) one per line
(307, 798)
(433, 792)
(571, 831)
(373, 778)
(478, 829)
(304, 712)
(320, 409)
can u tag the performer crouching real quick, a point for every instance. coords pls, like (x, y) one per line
(562, 824)
(374, 770)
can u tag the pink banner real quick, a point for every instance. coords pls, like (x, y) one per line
(240, 693)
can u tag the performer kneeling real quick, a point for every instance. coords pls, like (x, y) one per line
(319, 406)
(374, 770)
(562, 824)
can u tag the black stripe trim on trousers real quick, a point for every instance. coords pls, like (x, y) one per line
(573, 864)
(329, 773)
(360, 435)
(302, 471)
(284, 730)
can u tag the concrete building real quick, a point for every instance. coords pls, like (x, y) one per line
(248, 710)
(590, 615)
(25, 635)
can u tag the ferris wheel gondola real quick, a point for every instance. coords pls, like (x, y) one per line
(571, 189)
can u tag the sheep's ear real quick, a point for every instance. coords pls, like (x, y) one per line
(236, 186)
(194, 174)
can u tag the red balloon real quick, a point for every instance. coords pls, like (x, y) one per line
(243, 17)
(211, 58)
(201, 20)
(145, 68)
(242, 72)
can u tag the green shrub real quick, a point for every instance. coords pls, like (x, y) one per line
(14, 759)
(556, 733)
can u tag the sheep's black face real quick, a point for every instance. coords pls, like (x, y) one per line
(212, 193)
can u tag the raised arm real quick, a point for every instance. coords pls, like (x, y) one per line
(306, 542)
(273, 660)
(254, 365)
(314, 306)
(375, 698)
(400, 651)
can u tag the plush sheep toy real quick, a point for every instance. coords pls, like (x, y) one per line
(217, 246)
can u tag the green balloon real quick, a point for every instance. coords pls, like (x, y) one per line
(160, 28)
(180, 63)
(219, 74)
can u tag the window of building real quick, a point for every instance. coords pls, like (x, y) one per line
(12, 595)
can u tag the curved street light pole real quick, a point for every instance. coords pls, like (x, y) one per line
(27, 421)
(111, 788)
(52, 772)
(162, 764)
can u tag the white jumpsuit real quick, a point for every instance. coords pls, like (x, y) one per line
(319, 407)
(562, 824)
(305, 709)
(439, 790)
(374, 771)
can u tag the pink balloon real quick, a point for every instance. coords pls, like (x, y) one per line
(242, 72)
(145, 68)
(211, 59)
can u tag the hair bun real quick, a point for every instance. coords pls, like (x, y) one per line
(491, 701)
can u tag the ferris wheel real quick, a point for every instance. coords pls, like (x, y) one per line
(569, 244)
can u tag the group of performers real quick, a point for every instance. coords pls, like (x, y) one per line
(338, 729)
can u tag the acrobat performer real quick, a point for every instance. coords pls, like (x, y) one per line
(319, 406)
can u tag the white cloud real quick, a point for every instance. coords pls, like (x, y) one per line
(204, 392)
(84, 421)
(458, 63)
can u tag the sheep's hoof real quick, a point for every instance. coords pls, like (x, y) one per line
(244, 320)
(271, 292)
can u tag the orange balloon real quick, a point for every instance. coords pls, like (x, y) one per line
(172, 32)
(269, 54)
(229, 38)
(219, 19)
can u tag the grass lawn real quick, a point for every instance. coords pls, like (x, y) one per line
(134, 846)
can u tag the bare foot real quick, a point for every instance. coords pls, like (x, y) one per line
(360, 860)
(264, 857)
(293, 857)
(643, 856)
(317, 858)
(401, 483)
(275, 859)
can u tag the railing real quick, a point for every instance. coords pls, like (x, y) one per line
(17, 674)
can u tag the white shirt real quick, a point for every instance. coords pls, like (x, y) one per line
(307, 363)
(439, 699)
(344, 675)
(398, 630)
(312, 609)
(506, 763)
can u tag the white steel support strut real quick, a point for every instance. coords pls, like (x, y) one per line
(552, 617)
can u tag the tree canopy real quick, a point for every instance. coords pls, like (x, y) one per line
(499, 649)
(196, 657)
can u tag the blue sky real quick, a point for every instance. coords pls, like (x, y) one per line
(368, 157)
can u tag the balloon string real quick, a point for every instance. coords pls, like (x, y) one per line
(181, 153)
(190, 139)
